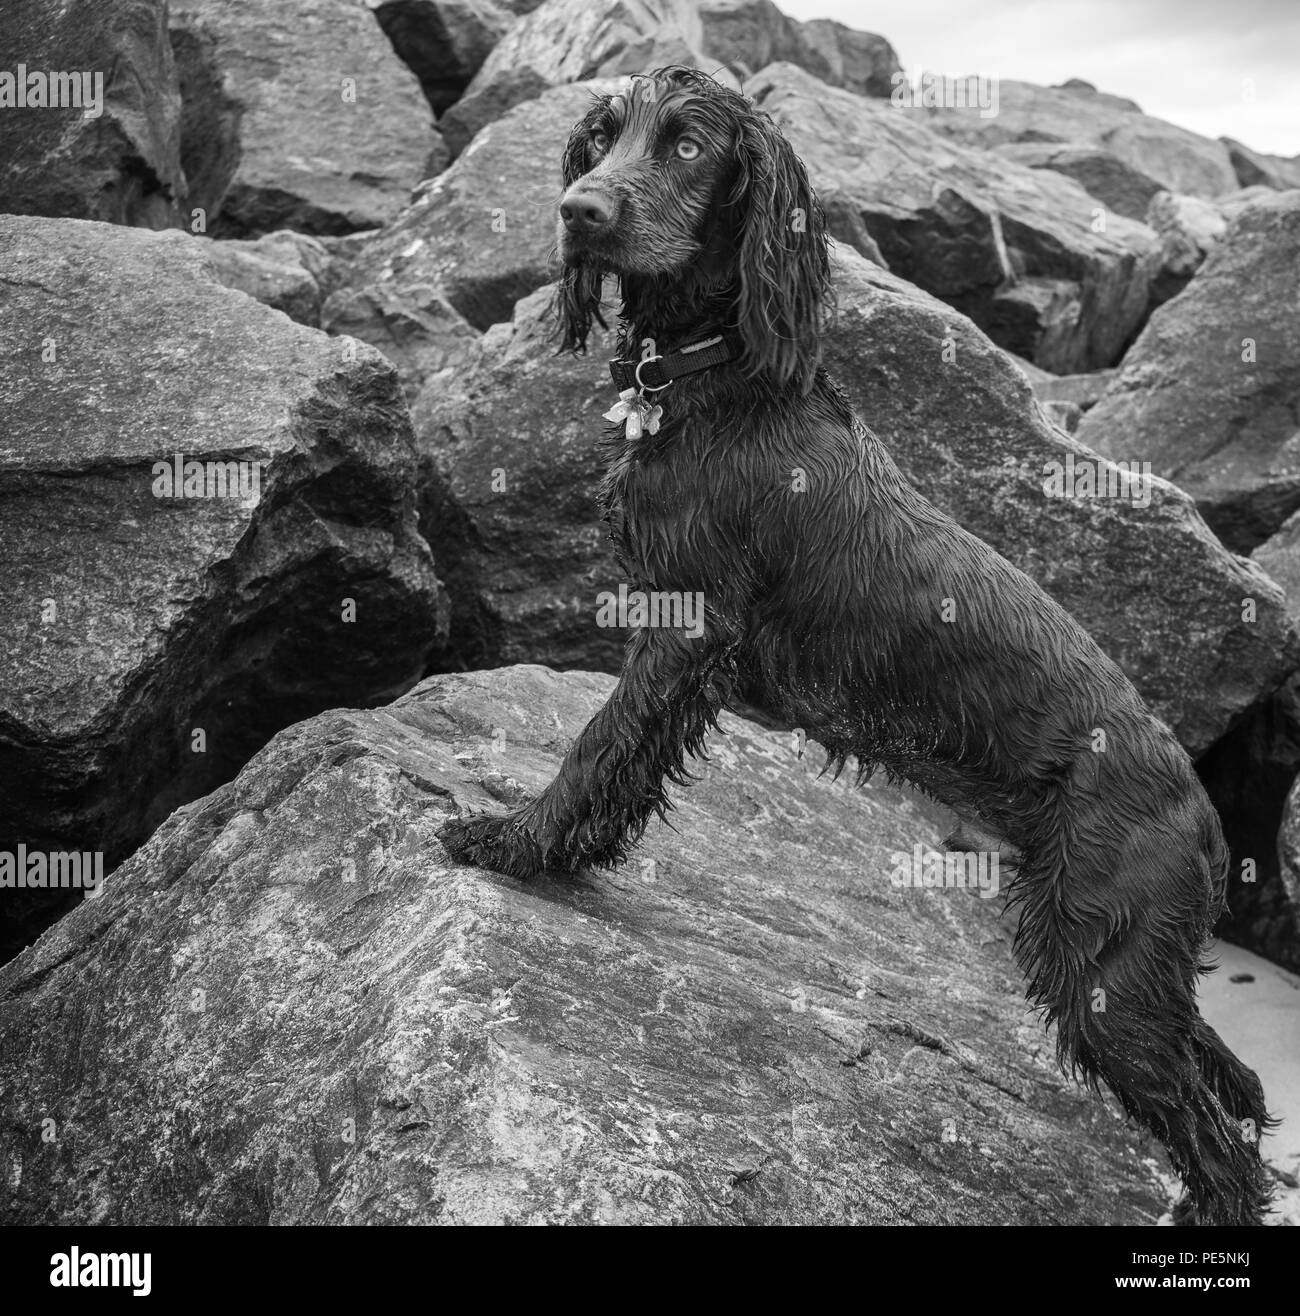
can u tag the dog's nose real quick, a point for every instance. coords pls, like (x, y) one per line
(583, 211)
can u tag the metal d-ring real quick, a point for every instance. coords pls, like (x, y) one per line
(645, 388)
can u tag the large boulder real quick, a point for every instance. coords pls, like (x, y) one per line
(289, 1008)
(1026, 253)
(297, 115)
(1077, 113)
(1210, 392)
(121, 165)
(152, 642)
(513, 435)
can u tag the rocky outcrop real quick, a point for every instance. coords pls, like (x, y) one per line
(1102, 174)
(284, 270)
(512, 435)
(751, 34)
(156, 635)
(1189, 230)
(747, 35)
(289, 1008)
(860, 62)
(279, 132)
(443, 42)
(564, 41)
(1077, 114)
(473, 242)
(1019, 250)
(110, 151)
(1254, 168)
(1210, 392)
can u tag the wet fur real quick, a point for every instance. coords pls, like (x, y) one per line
(825, 606)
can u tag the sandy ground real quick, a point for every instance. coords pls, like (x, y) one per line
(1260, 1020)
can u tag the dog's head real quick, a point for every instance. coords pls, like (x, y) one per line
(689, 193)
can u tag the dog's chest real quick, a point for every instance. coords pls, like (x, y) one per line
(656, 504)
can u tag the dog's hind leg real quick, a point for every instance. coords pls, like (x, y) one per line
(1122, 995)
(612, 779)
(1151, 1056)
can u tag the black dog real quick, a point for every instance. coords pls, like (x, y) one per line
(825, 598)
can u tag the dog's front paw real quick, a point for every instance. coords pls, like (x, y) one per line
(494, 841)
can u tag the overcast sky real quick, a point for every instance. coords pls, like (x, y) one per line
(1197, 63)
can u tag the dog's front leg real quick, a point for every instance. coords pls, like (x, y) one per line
(612, 779)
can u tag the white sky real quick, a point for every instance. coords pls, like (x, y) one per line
(1224, 68)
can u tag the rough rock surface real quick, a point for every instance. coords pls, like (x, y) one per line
(565, 41)
(474, 240)
(751, 34)
(1077, 113)
(1102, 174)
(1014, 248)
(1254, 168)
(1210, 392)
(298, 115)
(287, 1008)
(860, 62)
(443, 42)
(413, 325)
(519, 541)
(1064, 414)
(1084, 391)
(1279, 555)
(284, 270)
(134, 620)
(1189, 230)
(122, 167)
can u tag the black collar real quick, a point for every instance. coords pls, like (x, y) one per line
(702, 352)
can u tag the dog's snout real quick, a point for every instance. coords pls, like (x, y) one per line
(583, 210)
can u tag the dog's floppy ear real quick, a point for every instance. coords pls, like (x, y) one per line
(784, 262)
(576, 305)
(577, 297)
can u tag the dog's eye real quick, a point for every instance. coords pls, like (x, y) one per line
(600, 143)
(687, 148)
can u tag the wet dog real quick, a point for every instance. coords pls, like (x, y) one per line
(846, 604)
